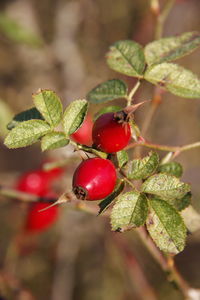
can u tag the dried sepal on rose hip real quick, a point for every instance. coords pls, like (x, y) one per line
(94, 179)
(111, 132)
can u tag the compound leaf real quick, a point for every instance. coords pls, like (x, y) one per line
(142, 168)
(106, 91)
(26, 133)
(130, 210)
(171, 48)
(54, 140)
(74, 116)
(165, 186)
(126, 57)
(175, 79)
(165, 226)
(111, 108)
(49, 105)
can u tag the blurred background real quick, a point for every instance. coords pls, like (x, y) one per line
(61, 45)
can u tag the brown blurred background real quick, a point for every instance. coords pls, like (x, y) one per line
(63, 50)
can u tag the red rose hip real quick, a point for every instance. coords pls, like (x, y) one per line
(83, 135)
(110, 134)
(94, 179)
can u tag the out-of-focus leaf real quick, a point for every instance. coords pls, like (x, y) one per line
(26, 115)
(74, 116)
(26, 133)
(49, 105)
(165, 186)
(171, 48)
(108, 90)
(18, 33)
(166, 226)
(127, 57)
(191, 218)
(105, 203)
(175, 79)
(142, 168)
(54, 140)
(130, 210)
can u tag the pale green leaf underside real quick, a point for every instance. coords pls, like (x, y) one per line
(106, 202)
(172, 168)
(126, 57)
(54, 140)
(130, 210)
(171, 48)
(122, 158)
(5, 116)
(106, 91)
(26, 133)
(74, 116)
(135, 131)
(182, 203)
(165, 186)
(49, 105)
(142, 168)
(175, 79)
(166, 226)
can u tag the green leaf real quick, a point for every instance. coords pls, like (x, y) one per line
(18, 33)
(122, 158)
(175, 79)
(172, 168)
(181, 203)
(171, 48)
(165, 186)
(26, 115)
(26, 133)
(108, 90)
(111, 108)
(166, 226)
(92, 150)
(106, 202)
(142, 168)
(54, 140)
(74, 116)
(49, 105)
(130, 210)
(5, 116)
(127, 57)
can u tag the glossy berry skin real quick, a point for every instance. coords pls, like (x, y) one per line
(109, 135)
(83, 135)
(38, 221)
(34, 182)
(94, 179)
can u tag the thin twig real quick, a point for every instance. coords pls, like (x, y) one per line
(132, 92)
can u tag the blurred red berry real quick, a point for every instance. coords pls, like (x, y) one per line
(34, 182)
(36, 220)
(83, 135)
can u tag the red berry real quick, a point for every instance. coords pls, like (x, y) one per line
(83, 135)
(110, 134)
(37, 220)
(94, 179)
(34, 182)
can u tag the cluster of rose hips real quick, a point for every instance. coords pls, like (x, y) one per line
(38, 182)
(95, 178)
